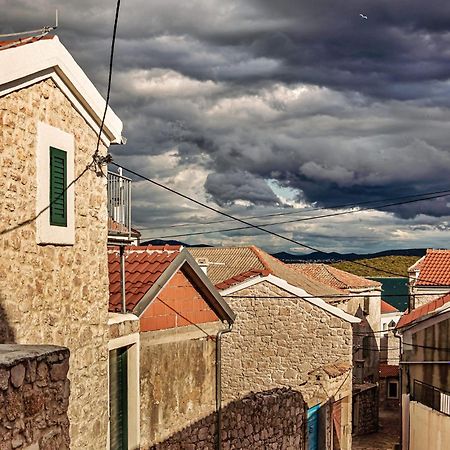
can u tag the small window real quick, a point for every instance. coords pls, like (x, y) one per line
(58, 187)
(385, 326)
(392, 389)
(366, 305)
(391, 324)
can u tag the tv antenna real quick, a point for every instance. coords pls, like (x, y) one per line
(29, 35)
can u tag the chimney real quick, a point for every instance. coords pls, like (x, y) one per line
(203, 263)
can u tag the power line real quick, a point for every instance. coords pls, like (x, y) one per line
(58, 197)
(304, 219)
(111, 59)
(257, 227)
(346, 205)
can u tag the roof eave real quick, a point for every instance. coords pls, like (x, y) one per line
(186, 262)
(40, 60)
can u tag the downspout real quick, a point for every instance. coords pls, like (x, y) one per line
(400, 371)
(219, 384)
(122, 278)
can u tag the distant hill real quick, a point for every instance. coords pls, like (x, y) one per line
(392, 264)
(336, 257)
(161, 242)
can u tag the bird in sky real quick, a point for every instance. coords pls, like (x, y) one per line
(363, 16)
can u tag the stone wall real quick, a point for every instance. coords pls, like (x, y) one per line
(56, 294)
(365, 409)
(281, 342)
(269, 420)
(177, 380)
(34, 397)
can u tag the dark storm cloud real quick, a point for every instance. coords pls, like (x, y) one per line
(218, 98)
(239, 185)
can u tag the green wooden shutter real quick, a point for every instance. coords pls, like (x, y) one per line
(58, 186)
(118, 399)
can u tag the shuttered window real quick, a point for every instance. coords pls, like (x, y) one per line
(58, 185)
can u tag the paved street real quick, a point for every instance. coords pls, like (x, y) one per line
(385, 439)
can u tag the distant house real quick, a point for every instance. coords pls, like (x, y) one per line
(429, 277)
(361, 298)
(389, 386)
(425, 375)
(53, 234)
(285, 335)
(167, 381)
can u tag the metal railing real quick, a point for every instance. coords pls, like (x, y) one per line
(119, 205)
(432, 397)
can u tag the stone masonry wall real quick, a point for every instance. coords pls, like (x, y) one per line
(281, 342)
(56, 294)
(365, 405)
(271, 420)
(177, 382)
(34, 397)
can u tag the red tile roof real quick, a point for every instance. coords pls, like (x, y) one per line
(334, 277)
(23, 41)
(434, 268)
(422, 311)
(387, 370)
(387, 308)
(240, 278)
(143, 267)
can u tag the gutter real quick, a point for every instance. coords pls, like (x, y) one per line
(219, 384)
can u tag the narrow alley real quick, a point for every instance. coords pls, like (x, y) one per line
(387, 436)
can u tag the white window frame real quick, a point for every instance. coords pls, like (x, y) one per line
(387, 393)
(48, 136)
(134, 417)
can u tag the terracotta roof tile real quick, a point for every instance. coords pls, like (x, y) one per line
(434, 268)
(422, 311)
(226, 264)
(334, 277)
(387, 308)
(23, 41)
(143, 267)
(387, 370)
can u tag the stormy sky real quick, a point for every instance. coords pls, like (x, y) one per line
(259, 107)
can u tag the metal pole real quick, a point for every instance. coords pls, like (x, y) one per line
(122, 278)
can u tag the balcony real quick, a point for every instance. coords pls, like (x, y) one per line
(119, 208)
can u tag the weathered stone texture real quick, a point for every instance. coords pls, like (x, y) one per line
(33, 410)
(177, 383)
(55, 294)
(271, 420)
(282, 342)
(123, 328)
(365, 409)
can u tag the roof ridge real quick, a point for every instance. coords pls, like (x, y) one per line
(256, 250)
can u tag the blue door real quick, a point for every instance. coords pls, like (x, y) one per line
(313, 428)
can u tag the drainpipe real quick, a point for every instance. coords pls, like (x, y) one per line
(400, 372)
(219, 384)
(122, 278)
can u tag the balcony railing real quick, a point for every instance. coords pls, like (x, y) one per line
(432, 397)
(119, 207)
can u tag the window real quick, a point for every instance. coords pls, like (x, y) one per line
(391, 324)
(366, 307)
(392, 389)
(58, 186)
(55, 160)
